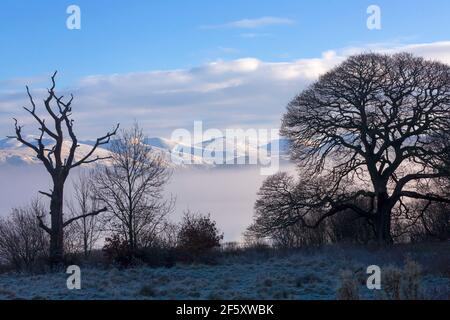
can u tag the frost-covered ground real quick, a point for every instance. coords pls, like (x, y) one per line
(255, 275)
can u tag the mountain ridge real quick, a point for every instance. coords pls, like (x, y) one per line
(204, 153)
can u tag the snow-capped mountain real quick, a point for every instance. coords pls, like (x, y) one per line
(14, 153)
(282, 148)
(208, 153)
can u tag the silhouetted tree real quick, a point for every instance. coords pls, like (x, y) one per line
(85, 232)
(424, 220)
(131, 187)
(285, 206)
(22, 240)
(57, 165)
(373, 127)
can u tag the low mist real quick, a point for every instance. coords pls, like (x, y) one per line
(228, 194)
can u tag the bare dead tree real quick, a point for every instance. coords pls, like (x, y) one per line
(131, 187)
(377, 123)
(86, 231)
(58, 166)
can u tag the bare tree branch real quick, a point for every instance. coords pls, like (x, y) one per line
(52, 158)
(381, 121)
(90, 214)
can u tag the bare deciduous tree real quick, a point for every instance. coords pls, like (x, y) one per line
(22, 240)
(131, 187)
(57, 165)
(422, 220)
(85, 231)
(282, 200)
(374, 127)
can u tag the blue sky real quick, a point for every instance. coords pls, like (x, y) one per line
(168, 63)
(137, 35)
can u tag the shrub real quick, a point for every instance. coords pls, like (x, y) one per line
(402, 284)
(267, 282)
(411, 278)
(158, 256)
(391, 283)
(348, 289)
(118, 251)
(198, 234)
(23, 243)
(147, 291)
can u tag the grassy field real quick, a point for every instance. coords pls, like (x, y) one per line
(419, 272)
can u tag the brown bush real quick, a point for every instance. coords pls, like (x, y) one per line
(198, 234)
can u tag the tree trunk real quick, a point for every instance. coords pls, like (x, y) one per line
(57, 232)
(132, 239)
(85, 237)
(383, 220)
(131, 236)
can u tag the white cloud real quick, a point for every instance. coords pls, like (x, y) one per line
(228, 50)
(434, 50)
(252, 23)
(240, 93)
(253, 35)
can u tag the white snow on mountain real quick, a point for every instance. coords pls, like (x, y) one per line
(13, 152)
(208, 153)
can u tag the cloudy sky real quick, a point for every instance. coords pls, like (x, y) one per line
(169, 63)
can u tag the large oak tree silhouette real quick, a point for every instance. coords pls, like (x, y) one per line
(383, 118)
